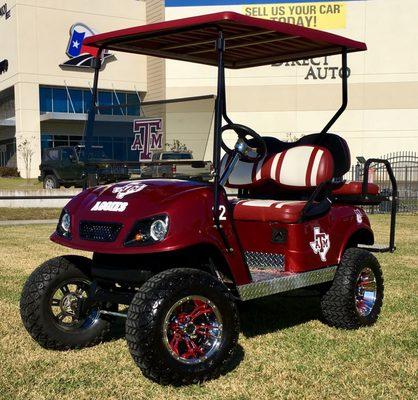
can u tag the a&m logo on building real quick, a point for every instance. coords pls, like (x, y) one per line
(148, 137)
(79, 54)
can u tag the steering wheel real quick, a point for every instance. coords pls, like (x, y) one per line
(250, 146)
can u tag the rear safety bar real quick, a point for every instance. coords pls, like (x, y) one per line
(393, 198)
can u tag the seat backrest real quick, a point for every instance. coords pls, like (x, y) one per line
(296, 168)
(337, 146)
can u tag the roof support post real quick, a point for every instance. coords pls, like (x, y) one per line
(344, 79)
(88, 134)
(219, 111)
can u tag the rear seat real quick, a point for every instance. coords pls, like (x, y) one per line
(356, 188)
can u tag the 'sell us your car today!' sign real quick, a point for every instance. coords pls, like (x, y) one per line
(319, 15)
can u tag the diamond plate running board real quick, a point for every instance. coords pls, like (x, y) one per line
(286, 283)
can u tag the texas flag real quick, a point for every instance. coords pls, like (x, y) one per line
(76, 43)
(79, 54)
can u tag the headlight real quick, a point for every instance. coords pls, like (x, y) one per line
(158, 230)
(64, 224)
(148, 231)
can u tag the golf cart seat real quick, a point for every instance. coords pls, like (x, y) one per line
(298, 169)
(291, 171)
(268, 210)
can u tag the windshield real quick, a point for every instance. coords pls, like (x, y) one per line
(177, 156)
(95, 154)
(142, 135)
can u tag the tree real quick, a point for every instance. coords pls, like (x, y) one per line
(26, 152)
(176, 146)
(290, 137)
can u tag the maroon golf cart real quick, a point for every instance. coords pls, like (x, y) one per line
(179, 255)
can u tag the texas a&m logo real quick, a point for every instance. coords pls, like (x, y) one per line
(126, 190)
(320, 244)
(148, 137)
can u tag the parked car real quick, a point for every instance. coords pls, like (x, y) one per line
(177, 164)
(65, 166)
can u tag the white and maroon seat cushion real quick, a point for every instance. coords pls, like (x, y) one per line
(299, 167)
(356, 188)
(268, 210)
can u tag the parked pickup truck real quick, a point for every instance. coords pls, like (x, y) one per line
(177, 164)
(65, 166)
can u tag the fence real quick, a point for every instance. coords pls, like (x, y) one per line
(405, 168)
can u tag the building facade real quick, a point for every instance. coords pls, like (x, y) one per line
(45, 81)
(296, 99)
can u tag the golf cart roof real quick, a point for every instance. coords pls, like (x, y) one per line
(249, 41)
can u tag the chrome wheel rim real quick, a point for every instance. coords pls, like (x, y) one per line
(49, 184)
(366, 292)
(192, 329)
(65, 301)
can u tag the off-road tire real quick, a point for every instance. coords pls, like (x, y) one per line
(36, 312)
(338, 304)
(54, 182)
(144, 332)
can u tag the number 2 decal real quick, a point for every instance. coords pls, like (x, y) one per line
(222, 216)
(222, 210)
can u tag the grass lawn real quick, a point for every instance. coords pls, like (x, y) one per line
(19, 184)
(285, 351)
(7, 214)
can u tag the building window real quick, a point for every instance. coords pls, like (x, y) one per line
(105, 102)
(49, 140)
(133, 103)
(59, 100)
(119, 101)
(76, 97)
(45, 99)
(72, 100)
(8, 152)
(87, 96)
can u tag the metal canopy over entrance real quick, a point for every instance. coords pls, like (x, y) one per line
(249, 41)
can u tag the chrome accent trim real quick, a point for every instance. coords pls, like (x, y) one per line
(286, 283)
(255, 259)
(113, 313)
(365, 292)
(211, 342)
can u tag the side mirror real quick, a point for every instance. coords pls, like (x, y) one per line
(72, 158)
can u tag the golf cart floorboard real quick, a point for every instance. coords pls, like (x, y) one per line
(271, 281)
(265, 274)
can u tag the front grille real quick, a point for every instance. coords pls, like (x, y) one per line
(99, 231)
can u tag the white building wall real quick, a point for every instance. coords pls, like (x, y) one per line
(382, 115)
